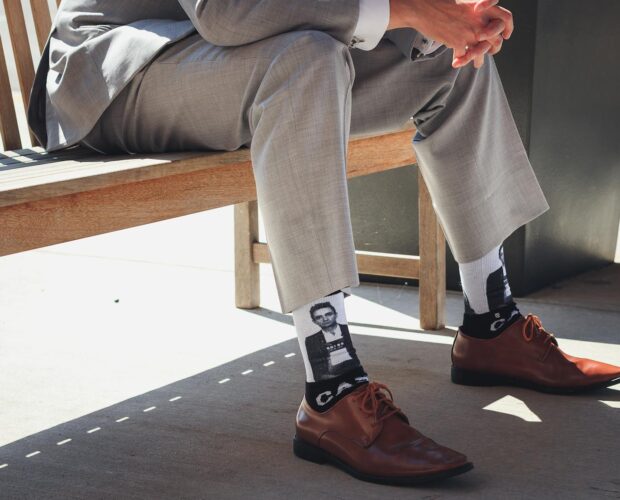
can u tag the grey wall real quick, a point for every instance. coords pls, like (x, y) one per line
(575, 138)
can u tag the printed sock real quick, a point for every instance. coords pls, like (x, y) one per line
(489, 307)
(333, 369)
(491, 324)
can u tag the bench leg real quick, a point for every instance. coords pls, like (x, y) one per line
(432, 263)
(247, 275)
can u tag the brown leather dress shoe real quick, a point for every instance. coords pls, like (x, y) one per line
(366, 435)
(526, 355)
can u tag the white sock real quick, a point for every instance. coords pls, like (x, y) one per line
(485, 283)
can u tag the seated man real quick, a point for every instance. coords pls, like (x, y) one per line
(293, 79)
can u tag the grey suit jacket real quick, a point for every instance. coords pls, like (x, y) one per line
(97, 46)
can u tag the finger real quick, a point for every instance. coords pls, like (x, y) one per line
(506, 16)
(459, 63)
(497, 45)
(478, 61)
(479, 49)
(463, 60)
(462, 57)
(484, 4)
(457, 54)
(492, 30)
(475, 51)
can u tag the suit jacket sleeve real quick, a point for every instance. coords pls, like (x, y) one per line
(238, 22)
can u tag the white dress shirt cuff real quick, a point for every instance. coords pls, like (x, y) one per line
(372, 23)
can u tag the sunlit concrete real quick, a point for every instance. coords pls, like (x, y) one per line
(513, 406)
(89, 323)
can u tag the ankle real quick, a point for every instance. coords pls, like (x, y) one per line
(491, 324)
(321, 396)
(333, 369)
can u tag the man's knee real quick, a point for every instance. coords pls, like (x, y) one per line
(313, 51)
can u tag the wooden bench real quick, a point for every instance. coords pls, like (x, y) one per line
(57, 197)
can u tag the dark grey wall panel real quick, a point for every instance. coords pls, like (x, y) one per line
(515, 63)
(575, 138)
(384, 211)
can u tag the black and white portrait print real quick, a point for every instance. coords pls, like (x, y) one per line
(330, 350)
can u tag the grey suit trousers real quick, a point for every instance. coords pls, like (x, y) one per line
(294, 99)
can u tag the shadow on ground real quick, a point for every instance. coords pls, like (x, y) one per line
(233, 439)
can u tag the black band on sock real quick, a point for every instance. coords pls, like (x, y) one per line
(491, 324)
(497, 287)
(321, 396)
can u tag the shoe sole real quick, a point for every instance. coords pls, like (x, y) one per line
(467, 377)
(316, 455)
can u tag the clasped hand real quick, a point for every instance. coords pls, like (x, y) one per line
(470, 28)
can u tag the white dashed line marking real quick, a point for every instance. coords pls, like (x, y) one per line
(174, 399)
(63, 441)
(2, 466)
(246, 372)
(149, 408)
(94, 430)
(122, 419)
(32, 454)
(223, 381)
(269, 363)
(289, 355)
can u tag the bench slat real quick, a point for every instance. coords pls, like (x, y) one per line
(25, 181)
(42, 20)
(21, 47)
(9, 131)
(375, 263)
(30, 183)
(11, 160)
(87, 213)
(37, 152)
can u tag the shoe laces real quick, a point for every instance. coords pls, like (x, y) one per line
(532, 328)
(376, 400)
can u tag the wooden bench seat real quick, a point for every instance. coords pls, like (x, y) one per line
(49, 198)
